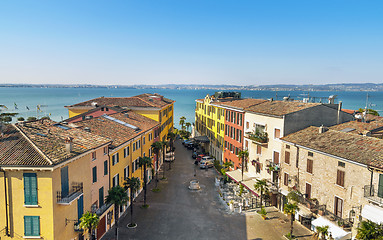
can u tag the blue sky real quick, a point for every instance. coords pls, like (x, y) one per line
(191, 41)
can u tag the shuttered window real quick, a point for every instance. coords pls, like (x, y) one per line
(30, 188)
(94, 174)
(286, 179)
(340, 178)
(287, 157)
(31, 226)
(308, 190)
(259, 149)
(276, 157)
(277, 133)
(380, 186)
(309, 166)
(105, 167)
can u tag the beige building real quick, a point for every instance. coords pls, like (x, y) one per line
(339, 176)
(267, 122)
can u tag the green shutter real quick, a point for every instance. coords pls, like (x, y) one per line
(105, 167)
(380, 186)
(95, 174)
(31, 226)
(30, 188)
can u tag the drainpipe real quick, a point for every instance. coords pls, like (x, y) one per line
(339, 110)
(6, 203)
(372, 176)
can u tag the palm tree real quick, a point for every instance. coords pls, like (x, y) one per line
(227, 165)
(156, 147)
(370, 230)
(118, 197)
(322, 231)
(261, 187)
(133, 184)
(187, 124)
(182, 122)
(244, 154)
(164, 146)
(145, 162)
(290, 209)
(88, 222)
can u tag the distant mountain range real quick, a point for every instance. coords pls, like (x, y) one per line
(276, 87)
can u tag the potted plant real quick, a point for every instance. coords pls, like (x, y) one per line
(263, 213)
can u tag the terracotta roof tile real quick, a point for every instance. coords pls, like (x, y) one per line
(358, 148)
(240, 103)
(143, 100)
(48, 137)
(280, 108)
(115, 131)
(358, 127)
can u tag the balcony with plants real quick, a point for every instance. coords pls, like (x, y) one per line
(258, 137)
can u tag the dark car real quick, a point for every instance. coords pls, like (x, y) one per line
(191, 145)
(195, 154)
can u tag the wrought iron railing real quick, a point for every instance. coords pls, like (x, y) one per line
(342, 222)
(75, 191)
(373, 194)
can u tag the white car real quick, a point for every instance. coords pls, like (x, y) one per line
(206, 163)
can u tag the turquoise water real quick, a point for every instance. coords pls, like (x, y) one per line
(55, 99)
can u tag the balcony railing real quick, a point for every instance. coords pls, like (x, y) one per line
(346, 223)
(102, 209)
(258, 138)
(75, 192)
(373, 194)
(312, 204)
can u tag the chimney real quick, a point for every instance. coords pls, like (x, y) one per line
(69, 144)
(322, 129)
(339, 109)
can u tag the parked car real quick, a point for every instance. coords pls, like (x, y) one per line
(199, 157)
(206, 163)
(195, 154)
(190, 145)
(186, 143)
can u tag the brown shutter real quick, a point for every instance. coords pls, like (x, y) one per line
(276, 157)
(287, 157)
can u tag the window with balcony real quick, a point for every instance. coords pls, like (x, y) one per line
(116, 180)
(338, 206)
(308, 190)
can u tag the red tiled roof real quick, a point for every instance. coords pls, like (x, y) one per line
(280, 108)
(358, 148)
(41, 143)
(358, 127)
(143, 100)
(240, 103)
(115, 131)
(350, 111)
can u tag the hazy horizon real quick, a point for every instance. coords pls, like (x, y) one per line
(191, 42)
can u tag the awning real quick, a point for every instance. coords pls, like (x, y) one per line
(202, 139)
(304, 211)
(336, 232)
(373, 213)
(284, 192)
(248, 182)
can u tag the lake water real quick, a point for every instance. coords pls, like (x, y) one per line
(53, 100)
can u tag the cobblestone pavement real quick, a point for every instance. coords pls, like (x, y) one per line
(179, 213)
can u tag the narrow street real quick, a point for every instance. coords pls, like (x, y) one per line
(179, 213)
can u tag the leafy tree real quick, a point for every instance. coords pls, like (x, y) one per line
(244, 154)
(290, 209)
(261, 187)
(133, 184)
(145, 162)
(293, 196)
(88, 222)
(171, 137)
(118, 197)
(20, 119)
(369, 111)
(31, 119)
(227, 165)
(369, 230)
(322, 231)
(156, 147)
(5, 117)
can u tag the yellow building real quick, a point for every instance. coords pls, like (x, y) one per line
(210, 122)
(132, 135)
(48, 179)
(153, 106)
